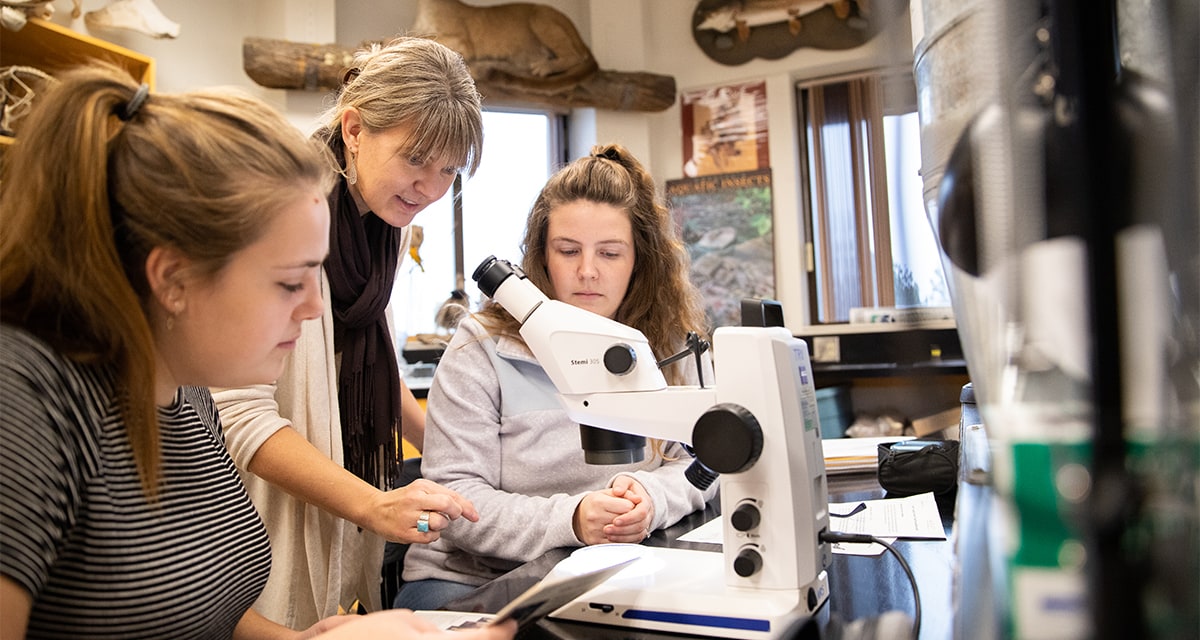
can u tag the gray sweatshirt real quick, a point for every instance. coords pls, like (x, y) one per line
(496, 433)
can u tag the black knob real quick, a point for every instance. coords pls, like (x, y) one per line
(747, 563)
(619, 359)
(745, 517)
(699, 475)
(727, 438)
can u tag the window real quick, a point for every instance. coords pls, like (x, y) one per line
(870, 244)
(916, 257)
(520, 151)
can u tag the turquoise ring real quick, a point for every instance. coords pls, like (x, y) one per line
(423, 522)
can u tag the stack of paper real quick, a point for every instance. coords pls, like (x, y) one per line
(854, 455)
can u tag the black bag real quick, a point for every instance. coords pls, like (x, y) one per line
(912, 467)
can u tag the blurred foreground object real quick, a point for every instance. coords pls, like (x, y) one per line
(1061, 166)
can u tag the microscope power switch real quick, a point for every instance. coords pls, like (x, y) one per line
(748, 562)
(745, 517)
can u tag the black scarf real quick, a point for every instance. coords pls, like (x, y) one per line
(364, 252)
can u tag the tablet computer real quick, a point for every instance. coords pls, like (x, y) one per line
(544, 597)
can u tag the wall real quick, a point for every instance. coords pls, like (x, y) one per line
(655, 35)
(208, 51)
(626, 35)
(672, 51)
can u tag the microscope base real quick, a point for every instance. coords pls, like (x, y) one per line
(684, 591)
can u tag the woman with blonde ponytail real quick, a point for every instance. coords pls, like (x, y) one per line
(150, 246)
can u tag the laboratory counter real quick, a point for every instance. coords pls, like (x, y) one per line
(861, 587)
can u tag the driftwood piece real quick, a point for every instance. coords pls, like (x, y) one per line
(602, 89)
(283, 64)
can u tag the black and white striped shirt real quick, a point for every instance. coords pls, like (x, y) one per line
(76, 530)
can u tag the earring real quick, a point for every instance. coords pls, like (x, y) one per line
(176, 309)
(352, 169)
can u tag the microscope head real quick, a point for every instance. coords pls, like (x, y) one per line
(559, 333)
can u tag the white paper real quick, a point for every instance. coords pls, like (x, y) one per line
(711, 532)
(456, 620)
(912, 517)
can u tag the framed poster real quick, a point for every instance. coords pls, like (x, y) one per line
(724, 129)
(726, 222)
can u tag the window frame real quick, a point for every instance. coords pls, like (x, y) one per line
(836, 283)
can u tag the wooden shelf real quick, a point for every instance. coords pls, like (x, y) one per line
(51, 48)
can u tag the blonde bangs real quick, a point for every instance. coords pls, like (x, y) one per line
(455, 135)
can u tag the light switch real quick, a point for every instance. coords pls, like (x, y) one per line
(827, 348)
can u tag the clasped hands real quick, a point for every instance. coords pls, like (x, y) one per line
(623, 512)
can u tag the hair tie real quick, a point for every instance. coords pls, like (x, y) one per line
(609, 154)
(135, 103)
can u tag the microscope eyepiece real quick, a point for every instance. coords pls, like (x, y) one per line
(483, 267)
(493, 271)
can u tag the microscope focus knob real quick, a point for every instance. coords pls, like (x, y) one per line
(727, 438)
(747, 563)
(745, 517)
(619, 359)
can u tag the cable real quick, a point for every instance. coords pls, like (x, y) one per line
(834, 536)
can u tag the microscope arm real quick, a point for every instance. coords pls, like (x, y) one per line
(667, 414)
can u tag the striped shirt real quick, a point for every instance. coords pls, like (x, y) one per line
(76, 530)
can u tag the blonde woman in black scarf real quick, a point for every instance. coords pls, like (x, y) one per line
(320, 450)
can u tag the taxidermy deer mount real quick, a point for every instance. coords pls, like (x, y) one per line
(518, 53)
